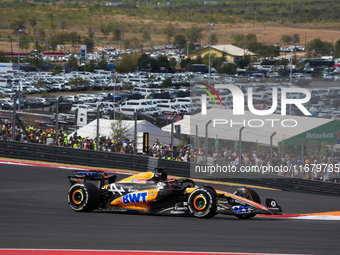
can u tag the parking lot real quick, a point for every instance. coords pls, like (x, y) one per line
(145, 92)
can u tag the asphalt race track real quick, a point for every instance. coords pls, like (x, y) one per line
(34, 214)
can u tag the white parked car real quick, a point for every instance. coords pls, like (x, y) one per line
(83, 106)
(171, 108)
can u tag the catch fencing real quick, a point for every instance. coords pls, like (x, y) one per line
(39, 152)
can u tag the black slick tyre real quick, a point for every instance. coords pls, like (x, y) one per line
(83, 197)
(202, 203)
(251, 195)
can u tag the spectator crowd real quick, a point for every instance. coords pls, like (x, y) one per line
(293, 164)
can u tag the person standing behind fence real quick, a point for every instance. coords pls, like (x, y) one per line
(237, 162)
(329, 171)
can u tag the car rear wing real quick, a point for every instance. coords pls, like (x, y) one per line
(99, 177)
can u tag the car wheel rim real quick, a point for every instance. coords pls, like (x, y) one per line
(200, 203)
(77, 197)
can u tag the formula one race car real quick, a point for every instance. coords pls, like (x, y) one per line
(155, 193)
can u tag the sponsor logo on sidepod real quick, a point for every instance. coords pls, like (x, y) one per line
(139, 197)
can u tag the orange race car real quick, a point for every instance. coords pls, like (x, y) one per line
(154, 193)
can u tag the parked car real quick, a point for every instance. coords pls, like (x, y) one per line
(131, 96)
(87, 107)
(43, 101)
(171, 108)
(52, 99)
(5, 104)
(64, 107)
(32, 103)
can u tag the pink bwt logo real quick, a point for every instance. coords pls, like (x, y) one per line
(238, 100)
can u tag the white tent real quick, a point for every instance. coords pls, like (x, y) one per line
(222, 118)
(90, 130)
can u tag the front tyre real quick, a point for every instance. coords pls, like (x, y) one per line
(202, 203)
(83, 197)
(250, 194)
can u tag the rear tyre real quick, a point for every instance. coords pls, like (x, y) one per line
(250, 194)
(202, 203)
(83, 197)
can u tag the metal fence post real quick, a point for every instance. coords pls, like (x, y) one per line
(98, 107)
(302, 156)
(206, 141)
(240, 145)
(14, 114)
(135, 133)
(271, 148)
(56, 120)
(172, 135)
(196, 137)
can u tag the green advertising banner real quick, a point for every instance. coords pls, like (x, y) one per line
(328, 133)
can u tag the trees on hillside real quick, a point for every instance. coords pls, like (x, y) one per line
(106, 29)
(133, 43)
(127, 64)
(337, 49)
(141, 33)
(295, 39)
(40, 37)
(88, 42)
(130, 63)
(63, 24)
(290, 39)
(146, 37)
(25, 41)
(318, 48)
(250, 43)
(194, 34)
(61, 38)
(227, 68)
(286, 39)
(169, 31)
(214, 39)
(3, 57)
(17, 24)
(118, 33)
(180, 41)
